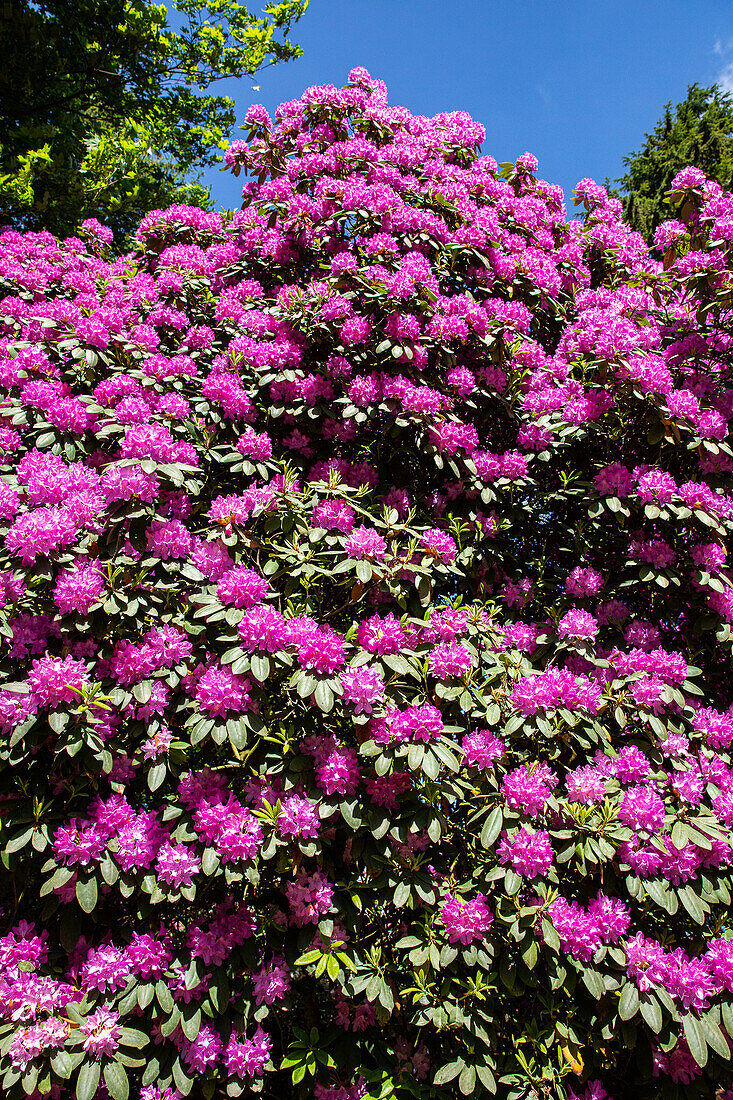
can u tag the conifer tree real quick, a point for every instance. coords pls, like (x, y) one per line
(699, 132)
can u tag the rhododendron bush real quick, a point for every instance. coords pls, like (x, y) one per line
(365, 723)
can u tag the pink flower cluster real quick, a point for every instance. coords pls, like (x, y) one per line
(465, 921)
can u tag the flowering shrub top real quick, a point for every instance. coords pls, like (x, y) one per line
(366, 632)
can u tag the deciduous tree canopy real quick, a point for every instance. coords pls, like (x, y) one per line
(105, 108)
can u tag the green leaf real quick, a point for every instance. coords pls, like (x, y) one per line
(448, 1072)
(324, 696)
(156, 775)
(492, 828)
(659, 893)
(364, 571)
(467, 1080)
(209, 861)
(695, 1037)
(308, 958)
(693, 904)
(298, 1074)
(220, 992)
(512, 883)
(116, 1081)
(58, 722)
(385, 996)
(143, 691)
(87, 1081)
(401, 894)
(549, 934)
(593, 981)
(396, 663)
(431, 765)
(184, 1083)
(130, 1037)
(726, 1011)
(486, 1077)
(415, 755)
(20, 840)
(714, 1036)
(628, 1004)
(61, 1064)
(191, 1024)
(237, 732)
(260, 667)
(372, 988)
(86, 894)
(306, 685)
(345, 961)
(164, 996)
(350, 811)
(651, 1011)
(446, 755)
(531, 954)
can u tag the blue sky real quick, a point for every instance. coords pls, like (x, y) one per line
(577, 84)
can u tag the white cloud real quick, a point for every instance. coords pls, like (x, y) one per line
(718, 47)
(725, 79)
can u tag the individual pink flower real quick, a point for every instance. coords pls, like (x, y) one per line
(641, 808)
(382, 635)
(465, 921)
(242, 587)
(298, 817)
(247, 1057)
(310, 898)
(577, 625)
(439, 545)
(528, 790)
(272, 982)
(529, 853)
(415, 723)
(334, 515)
(53, 681)
(482, 748)
(219, 690)
(101, 1031)
(203, 1051)
(365, 543)
(586, 785)
(320, 649)
(363, 687)
(337, 771)
(450, 660)
(656, 486)
(262, 629)
(256, 447)
(40, 532)
(583, 581)
(78, 589)
(177, 864)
